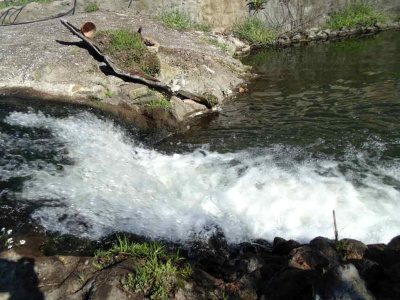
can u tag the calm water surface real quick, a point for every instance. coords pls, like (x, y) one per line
(326, 98)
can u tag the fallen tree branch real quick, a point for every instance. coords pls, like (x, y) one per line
(142, 78)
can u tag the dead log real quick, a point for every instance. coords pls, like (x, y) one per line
(142, 78)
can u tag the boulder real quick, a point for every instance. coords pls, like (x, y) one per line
(370, 271)
(326, 246)
(292, 284)
(283, 247)
(342, 282)
(394, 244)
(308, 258)
(351, 249)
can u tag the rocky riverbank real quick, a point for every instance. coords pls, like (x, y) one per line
(62, 267)
(317, 34)
(44, 59)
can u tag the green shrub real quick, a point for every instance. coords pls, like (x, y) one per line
(92, 7)
(361, 14)
(181, 20)
(176, 18)
(254, 31)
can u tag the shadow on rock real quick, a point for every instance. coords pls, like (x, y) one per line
(19, 279)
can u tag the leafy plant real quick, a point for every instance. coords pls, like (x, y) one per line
(181, 20)
(81, 276)
(92, 7)
(360, 14)
(176, 18)
(341, 248)
(254, 31)
(203, 26)
(156, 272)
(256, 5)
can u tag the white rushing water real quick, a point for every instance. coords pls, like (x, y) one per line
(115, 184)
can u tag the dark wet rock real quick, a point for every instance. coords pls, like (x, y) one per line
(372, 29)
(370, 271)
(250, 264)
(68, 245)
(343, 282)
(308, 258)
(213, 256)
(283, 247)
(326, 246)
(394, 244)
(262, 244)
(292, 284)
(382, 254)
(351, 249)
(376, 252)
(389, 287)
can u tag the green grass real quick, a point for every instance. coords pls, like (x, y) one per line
(361, 14)
(397, 18)
(92, 7)
(254, 31)
(123, 39)
(162, 103)
(203, 26)
(223, 46)
(109, 94)
(176, 18)
(156, 272)
(181, 20)
(129, 51)
(21, 2)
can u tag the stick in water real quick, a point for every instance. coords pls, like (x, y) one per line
(334, 223)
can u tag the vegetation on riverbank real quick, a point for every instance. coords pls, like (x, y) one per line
(181, 20)
(360, 14)
(156, 271)
(128, 50)
(254, 31)
(92, 7)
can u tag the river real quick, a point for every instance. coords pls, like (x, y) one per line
(316, 131)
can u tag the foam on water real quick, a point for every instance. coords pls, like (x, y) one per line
(115, 184)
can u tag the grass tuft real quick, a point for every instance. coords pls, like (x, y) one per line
(176, 18)
(360, 14)
(92, 7)
(129, 51)
(254, 31)
(157, 273)
(181, 20)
